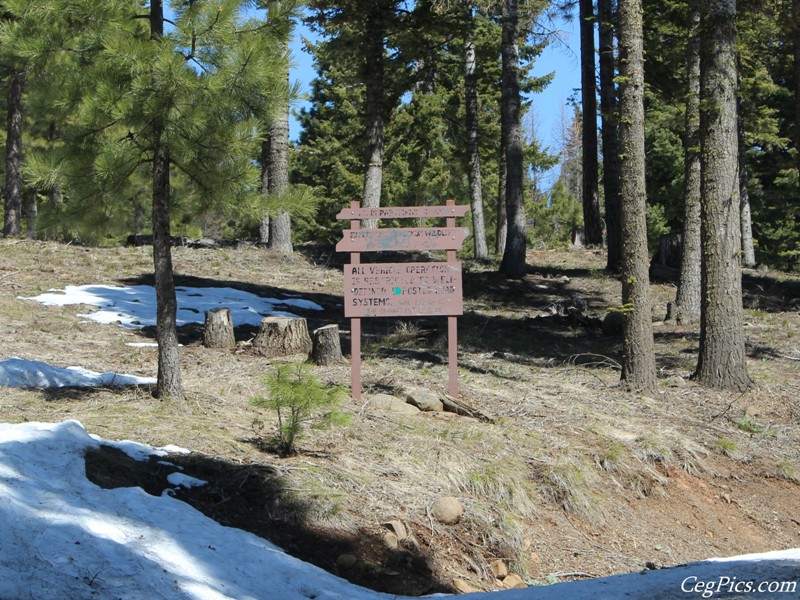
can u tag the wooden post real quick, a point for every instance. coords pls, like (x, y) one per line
(452, 327)
(355, 324)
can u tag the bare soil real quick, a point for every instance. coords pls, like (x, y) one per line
(569, 477)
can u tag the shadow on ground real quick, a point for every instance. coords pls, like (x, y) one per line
(254, 498)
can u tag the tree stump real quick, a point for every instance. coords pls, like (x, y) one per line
(327, 347)
(282, 336)
(218, 330)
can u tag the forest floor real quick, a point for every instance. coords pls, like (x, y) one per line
(568, 477)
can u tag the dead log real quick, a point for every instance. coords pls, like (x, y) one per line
(218, 330)
(282, 336)
(327, 347)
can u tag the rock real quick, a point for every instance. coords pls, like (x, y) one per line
(388, 403)
(513, 581)
(462, 587)
(391, 541)
(447, 510)
(424, 400)
(613, 323)
(676, 381)
(499, 568)
(346, 561)
(398, 528)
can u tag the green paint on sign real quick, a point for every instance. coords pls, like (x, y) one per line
(398, 291)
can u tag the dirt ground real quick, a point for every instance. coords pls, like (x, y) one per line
(567, 477)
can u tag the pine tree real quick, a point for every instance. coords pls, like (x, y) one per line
(688, 295)
(513, 263)
(593, 232)
(721, 362)
(638, 364)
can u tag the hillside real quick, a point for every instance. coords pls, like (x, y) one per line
(568, 476)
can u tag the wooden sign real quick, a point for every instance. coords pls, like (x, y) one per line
(402, 290)
(403, 212)
(410, 238)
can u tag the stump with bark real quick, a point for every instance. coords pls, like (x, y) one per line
(282, 336)
(327, 347)
(218, 330)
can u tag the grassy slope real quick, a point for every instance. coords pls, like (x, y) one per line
(572, 478)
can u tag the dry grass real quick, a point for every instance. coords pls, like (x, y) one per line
(570, 458)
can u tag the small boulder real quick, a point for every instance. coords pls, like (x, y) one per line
(513, 581)
(346, 561)
(613, 323)
(447, 510)
(387, 403)
(424, 400)
(499, 569)
(462, 587)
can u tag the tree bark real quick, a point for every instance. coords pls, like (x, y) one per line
(32, 215)
(53, 198)
(13, 184)
(280, 225)
(481, 251)
(513, 263)
(687, 300)
(610, 135)
(721, 362)
(593, 231)
(169, 369)
(638, 362)
(745, 215)
(218, 329)
(796, 20)
(282, 336)
(327, 346)
(374, 48)
(263, 227)
(501, 227)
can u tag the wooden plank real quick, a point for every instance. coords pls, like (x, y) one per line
(403, 212)
(403, 290)
(410, 238)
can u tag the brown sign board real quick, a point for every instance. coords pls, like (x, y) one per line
(410, 238)
(402, 212)
(402, 290)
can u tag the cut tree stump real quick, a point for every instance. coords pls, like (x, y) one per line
(218, 330)
(282, 336)
(327, 347)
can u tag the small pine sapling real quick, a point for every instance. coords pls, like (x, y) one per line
(299, 398)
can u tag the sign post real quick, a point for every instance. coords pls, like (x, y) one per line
(403, 289)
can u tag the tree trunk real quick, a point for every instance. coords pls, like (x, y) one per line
(501, 227)
(638, 362)
(13, 184)
(280, 226)
(721, 362)
(593, 231)
(282, 336)
(796, 20)
(263, 227)
(169, 368)
(218, 329)
(481, 251)
(32, 215)
(745, 216)
(374, 48)
(327, 346)
(610, 135)
(687, 300)
(513, 263)
(53, 198)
